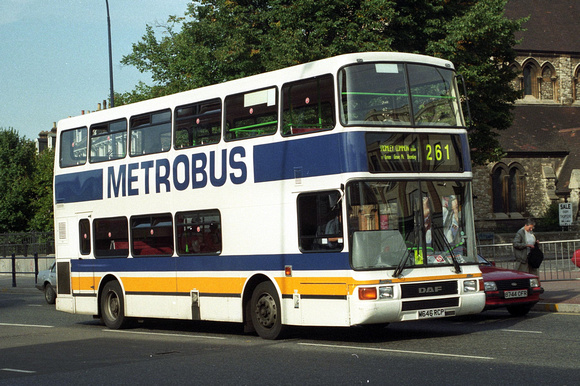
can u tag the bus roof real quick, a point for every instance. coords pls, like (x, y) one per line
(300, 71)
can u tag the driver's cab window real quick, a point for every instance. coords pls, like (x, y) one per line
(320, 223)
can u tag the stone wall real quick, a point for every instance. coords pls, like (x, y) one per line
(539, 191)
(555, 82)
(555, 77)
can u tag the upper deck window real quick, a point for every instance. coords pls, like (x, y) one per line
(378, 94)
(108, 141)
(198, 124)
(434, 96)
(251, 114)
(151, 133)
(73, 147)
(308, 105)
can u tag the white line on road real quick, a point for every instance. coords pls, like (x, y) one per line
(25, 325)
(397, 351)
(163, 334)
(524, 331)
(19, 371)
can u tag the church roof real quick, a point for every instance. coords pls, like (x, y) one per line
(543, 131)
(554, 25)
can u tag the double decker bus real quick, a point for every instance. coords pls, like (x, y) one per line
(332, 193)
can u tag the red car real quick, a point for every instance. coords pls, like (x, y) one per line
(515, 290)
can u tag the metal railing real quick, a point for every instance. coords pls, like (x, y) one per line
(26, 243)
(25, 254)
(557, 264)
(18, 266)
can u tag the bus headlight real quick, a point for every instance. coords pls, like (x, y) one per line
(385, 292)
(372, 293)
(470, 286)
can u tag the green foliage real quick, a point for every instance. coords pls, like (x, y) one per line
(481, 42)
(42, 207)
(220, 40)
(550, 221)
(25, 185)
(17, 156)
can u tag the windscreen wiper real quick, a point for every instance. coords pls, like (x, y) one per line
(402, 264)
(449, 249)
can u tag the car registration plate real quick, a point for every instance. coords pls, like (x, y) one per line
(434, 313)
(515, 294)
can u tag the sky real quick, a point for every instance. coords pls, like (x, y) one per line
(54, 56)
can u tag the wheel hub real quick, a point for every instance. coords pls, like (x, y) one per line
(266, 311)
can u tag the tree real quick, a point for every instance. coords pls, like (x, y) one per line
(17, 157)
(41, 205)
(481, 42)
(221, 40)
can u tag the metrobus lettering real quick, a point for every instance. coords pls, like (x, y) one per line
(194, 172)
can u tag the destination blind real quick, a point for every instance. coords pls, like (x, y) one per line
(414, 152)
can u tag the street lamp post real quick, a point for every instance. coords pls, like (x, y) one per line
(110, 57)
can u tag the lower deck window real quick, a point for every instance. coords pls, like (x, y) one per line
(198, 232)
(111, 237)
(152, 235)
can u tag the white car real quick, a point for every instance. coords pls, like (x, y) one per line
(46, 282)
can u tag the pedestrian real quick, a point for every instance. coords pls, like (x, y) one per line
(523, 243)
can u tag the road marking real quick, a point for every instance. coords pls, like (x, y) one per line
(397, 351)
(524, 331)
(164, 334)
(19, 371)
(25, 325)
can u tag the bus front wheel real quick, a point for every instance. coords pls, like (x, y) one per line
(266, 312)
(113, 306)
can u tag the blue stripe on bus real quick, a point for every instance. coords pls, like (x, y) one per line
(81, 186)
(465, 153)
(297, 158)
(307, 261)
(311, 156)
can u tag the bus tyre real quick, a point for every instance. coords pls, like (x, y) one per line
(266, 311)
(49, 294)
(113, 306)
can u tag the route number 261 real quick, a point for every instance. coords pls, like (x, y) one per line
(437, 152)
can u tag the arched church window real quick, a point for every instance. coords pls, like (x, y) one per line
(499, 188)
(508, 188)
(531, 80)
(516, 188)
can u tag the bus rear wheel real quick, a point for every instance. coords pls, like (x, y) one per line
(266, 312)
(113, 306)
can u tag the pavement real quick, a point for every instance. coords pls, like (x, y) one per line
(558, 296)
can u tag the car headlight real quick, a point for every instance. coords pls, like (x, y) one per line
(470, 286)
(534, 283)
(490, 286)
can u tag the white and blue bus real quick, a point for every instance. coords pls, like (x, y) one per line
(332, 193)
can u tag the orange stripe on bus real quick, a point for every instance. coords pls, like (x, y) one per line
(229, 285)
